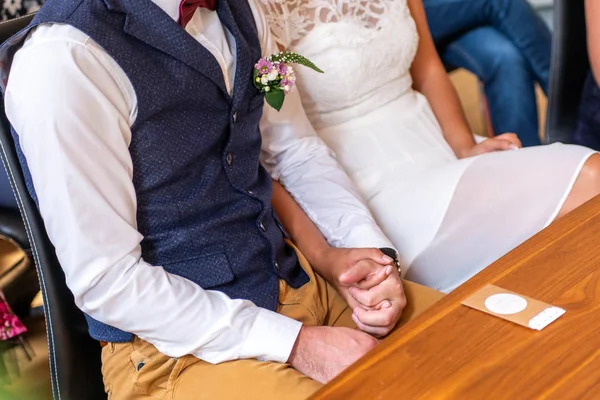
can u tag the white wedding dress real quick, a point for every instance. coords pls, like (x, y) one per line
(448, 218)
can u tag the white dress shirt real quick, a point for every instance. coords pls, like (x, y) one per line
(73, 117)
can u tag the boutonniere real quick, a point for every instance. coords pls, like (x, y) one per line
(274, 75)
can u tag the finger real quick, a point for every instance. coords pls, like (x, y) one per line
(383, 305)
(375, 278)
(497, 144)
(373, 254)
(381, 318)
(511, 137)
(391, 289)
(370, 297)
(360, 271)
(376, 331)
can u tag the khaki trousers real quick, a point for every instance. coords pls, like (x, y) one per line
(136, 370)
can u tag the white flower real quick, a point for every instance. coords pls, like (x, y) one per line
(264, 79)
(273, 74)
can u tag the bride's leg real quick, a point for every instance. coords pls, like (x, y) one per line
(586, 186)
(501, 200)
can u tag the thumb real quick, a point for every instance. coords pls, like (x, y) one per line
(357, 255)
(362, 271)
(364, 262)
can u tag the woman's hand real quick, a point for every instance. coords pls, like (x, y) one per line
(505, 141)
(341, 267)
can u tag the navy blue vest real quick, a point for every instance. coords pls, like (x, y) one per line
(203, 198)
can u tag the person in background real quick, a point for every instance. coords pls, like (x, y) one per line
(587, 132)
(507, 46)
(17, 8)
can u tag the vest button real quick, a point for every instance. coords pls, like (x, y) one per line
(276, 266)
(235, 117)
(262, 226)
(229, 158)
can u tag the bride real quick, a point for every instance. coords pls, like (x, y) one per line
(386, 107)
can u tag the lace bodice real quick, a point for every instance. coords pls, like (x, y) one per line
(365, 47)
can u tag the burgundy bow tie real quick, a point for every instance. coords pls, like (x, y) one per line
(187, 8)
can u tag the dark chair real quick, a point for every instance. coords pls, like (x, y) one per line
(74, 355)
(569, 69)
(20, 283)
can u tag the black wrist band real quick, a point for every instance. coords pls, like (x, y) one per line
(392, 254)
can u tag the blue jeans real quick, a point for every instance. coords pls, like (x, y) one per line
(507, 46)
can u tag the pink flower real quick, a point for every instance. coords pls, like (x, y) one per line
(263, 66)
(10, 326)
(275, 74)
(286, 84)
(282, 68)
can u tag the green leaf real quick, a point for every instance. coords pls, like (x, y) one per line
(295, 58)
(275, 98)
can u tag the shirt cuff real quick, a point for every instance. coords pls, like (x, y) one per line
(271, 338)
(366, 235)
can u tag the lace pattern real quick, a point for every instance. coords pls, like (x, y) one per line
(365, 47)
(292, 20)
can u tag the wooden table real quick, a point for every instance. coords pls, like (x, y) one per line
(454, 352)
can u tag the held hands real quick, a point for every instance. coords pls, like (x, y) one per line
(370, 284)
(505, 141)
(372, 288)
(380, 305)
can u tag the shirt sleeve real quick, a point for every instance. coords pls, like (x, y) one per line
(73, 117)
(294, 154)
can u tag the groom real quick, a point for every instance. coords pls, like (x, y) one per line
(138, 128)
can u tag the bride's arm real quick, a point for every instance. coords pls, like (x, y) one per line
(430, 78)
(329, 262)
(305, 235)
(592, 16)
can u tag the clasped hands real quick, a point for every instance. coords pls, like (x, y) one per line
(370, 284)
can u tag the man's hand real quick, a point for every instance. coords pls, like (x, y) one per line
(505, 141)
(322, 352)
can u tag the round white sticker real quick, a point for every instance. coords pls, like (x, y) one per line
(505, 303)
